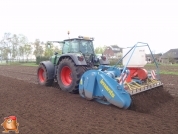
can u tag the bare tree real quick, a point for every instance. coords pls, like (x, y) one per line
(11, 45)
(38, 48)
(21, 51)
(6, 46)
(27, 50)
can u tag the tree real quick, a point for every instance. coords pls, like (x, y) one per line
(48, 49)
(56, 49)
(14, 41)
(27, 50)
(5, 45)
(11, 44)
(99, 50)
(38, 48)
(21, 51)
(22, 40)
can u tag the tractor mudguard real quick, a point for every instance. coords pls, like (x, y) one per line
(50, 68)
(74, 57)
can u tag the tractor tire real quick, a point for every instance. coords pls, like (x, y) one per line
(42, 76)
(68, 75)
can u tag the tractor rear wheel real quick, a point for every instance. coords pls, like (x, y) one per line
(68, 75)
(42, 76)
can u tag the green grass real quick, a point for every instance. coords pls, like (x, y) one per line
(29, 64)
(21, 64)
(166, 72)
(3, 64)
(150, 64)
(162, 64)
(169, 64)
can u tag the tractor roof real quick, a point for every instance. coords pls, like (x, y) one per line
(74, 38)
(81, 38)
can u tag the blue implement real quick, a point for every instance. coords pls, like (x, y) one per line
(102, 87)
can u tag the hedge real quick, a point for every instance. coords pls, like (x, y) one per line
(41, 58)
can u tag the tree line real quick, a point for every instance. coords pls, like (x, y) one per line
(15, 46)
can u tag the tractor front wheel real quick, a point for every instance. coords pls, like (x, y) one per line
(68, 75)
(42, 76)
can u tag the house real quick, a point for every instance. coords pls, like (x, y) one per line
(112, 52)
(170, 56)
(150, 59)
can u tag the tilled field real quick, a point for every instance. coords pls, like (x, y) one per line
(48, 110)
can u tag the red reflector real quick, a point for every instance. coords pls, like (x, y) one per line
(103, 57)
(80, 58)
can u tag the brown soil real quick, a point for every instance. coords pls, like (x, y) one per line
(48, 110)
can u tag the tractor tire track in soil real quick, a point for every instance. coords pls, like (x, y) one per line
(46, 110)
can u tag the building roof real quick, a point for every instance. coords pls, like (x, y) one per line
(115, 48)
(172, 53)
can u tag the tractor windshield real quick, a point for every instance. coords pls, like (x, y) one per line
(86, 46)
(76, 45)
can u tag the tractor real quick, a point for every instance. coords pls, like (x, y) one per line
(67, 68)
(79, 70)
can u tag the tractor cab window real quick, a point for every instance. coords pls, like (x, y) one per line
(86, 46)
(65, 47)
(74, 46)
(71, 46)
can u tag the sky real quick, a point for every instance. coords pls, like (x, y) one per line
(110, 22)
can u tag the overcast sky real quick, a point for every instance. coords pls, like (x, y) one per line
(109, 21)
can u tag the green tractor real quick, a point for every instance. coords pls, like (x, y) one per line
(66, 69)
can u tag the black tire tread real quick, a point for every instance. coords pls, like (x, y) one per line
(48, 82)
(77, 73)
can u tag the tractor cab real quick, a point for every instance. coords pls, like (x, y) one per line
(78, 45)
(82, 45)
